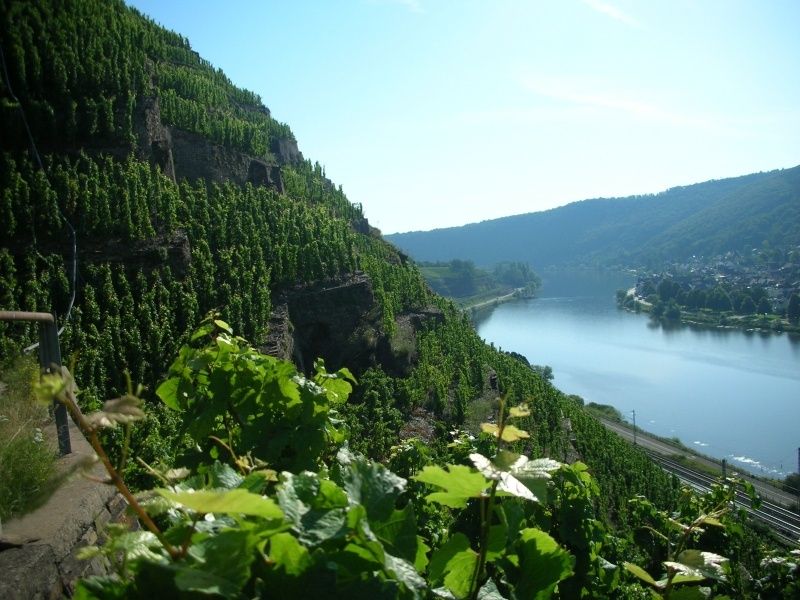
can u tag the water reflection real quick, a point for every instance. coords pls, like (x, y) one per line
(735, 391)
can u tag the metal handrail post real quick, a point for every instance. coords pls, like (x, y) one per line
(50, 358)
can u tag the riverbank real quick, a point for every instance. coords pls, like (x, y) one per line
(706, 317)
(476, 305)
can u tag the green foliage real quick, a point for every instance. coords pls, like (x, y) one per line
(251, 404)
(683, 546)
(375, 414)
(606, 411)
(622, 471)
(156, 255)
(793, 308)
(244, 242)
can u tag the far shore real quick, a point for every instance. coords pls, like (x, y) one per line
(710, 319)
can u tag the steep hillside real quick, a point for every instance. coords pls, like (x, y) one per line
(703, 219)
(185, 195)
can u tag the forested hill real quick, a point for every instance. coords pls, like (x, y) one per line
(703, 219)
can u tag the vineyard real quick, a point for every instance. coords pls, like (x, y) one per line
(266, 477)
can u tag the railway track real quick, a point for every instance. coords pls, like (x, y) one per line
(785, 523)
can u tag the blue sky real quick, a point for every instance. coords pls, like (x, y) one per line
(435, 113)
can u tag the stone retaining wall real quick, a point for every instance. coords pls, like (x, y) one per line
(38, 552)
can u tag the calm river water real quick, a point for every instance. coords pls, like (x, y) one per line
(726, 393)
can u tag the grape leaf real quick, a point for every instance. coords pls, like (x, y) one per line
(372, 485)
(489, 591)
(510, 433)
(519, 411)
(168, 392)
(454, 564)
(236, 501)
(543, 563)
(398, 533)
(405, 573)
(288, 554)
(641, 574)
(317, 508)
(227, 555)
(459, 484)
(125, 409)
(508, 483)
(705, 563)
(198, 580)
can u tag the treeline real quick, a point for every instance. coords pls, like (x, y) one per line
(669, 298)
(705, 219)
(744, 300)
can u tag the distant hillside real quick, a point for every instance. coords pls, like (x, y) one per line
(703, 219)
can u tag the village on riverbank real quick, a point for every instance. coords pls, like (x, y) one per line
(758, 290)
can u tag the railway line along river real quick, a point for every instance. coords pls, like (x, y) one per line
(725, 393)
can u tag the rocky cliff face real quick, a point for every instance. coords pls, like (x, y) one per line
(340, 321)
(182, 154)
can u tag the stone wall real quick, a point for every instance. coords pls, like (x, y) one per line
(38, 552)
(196, 157)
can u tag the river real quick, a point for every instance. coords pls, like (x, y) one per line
(726, 393)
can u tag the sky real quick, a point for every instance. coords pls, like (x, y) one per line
(435, 113)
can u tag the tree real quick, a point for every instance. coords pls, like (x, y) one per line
(747, 307)
(668, 289)
(792, 483)
(673, 311)
(793, 310)
(764, 306)
(658, 309)
(719, 299)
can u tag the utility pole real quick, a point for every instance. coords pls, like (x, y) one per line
(634, 427)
